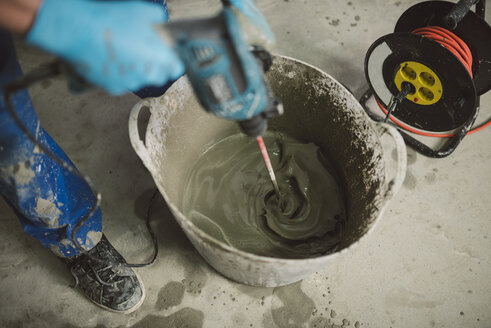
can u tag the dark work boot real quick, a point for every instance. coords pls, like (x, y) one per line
(107, 282)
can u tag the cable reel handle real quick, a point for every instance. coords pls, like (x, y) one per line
(457, 13)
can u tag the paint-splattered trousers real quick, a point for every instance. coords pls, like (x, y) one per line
(48, 200)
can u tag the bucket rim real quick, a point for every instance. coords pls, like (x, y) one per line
(189, 227)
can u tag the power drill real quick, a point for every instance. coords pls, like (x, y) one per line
(226, 74)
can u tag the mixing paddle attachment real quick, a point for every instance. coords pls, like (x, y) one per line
(267, 161)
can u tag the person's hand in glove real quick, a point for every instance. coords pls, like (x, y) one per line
(257, 30)
(112, 44)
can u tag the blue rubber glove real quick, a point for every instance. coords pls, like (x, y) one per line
(111, 44)
(257, 30)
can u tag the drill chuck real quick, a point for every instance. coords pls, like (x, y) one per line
(254, 127)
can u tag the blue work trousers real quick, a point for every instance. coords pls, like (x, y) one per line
(48, 199)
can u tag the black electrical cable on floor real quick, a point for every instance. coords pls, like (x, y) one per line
(406, 88)
(51, 70)
(152, 234)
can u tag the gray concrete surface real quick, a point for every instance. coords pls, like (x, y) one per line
(427, 263)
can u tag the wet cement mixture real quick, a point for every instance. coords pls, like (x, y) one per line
(230, 196)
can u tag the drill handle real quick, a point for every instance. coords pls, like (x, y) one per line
(457, 13)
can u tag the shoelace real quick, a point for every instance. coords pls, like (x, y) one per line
(96, 274)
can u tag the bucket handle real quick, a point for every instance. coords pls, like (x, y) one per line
(396, 181)
(134, 133)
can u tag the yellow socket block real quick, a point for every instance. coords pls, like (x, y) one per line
(426, 83)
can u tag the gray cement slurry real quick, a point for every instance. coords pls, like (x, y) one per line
(229, 195)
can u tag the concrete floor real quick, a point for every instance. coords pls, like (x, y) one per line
(427, 264)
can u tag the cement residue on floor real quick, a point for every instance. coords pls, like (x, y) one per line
(295, 309)
(170, 295)
(186, 317)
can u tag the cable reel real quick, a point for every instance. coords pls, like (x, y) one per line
(428, 75)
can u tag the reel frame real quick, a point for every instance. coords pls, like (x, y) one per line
(460, 108)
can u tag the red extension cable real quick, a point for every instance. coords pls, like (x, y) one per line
(458, 47)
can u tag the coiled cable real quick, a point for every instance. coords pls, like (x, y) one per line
(460, 50)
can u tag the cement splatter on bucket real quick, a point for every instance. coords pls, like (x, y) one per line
(318, 110)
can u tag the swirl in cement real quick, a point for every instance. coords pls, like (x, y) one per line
(229, 195)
